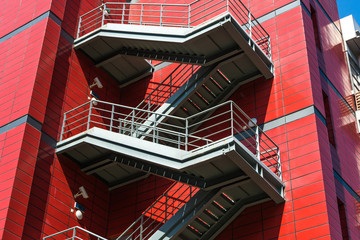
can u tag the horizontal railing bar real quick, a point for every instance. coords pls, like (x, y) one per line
(220, 131)
(87, 23)
(259, 127)
(212, 126)
(77, 114)
(72, 123)
(75, 128)
(99, 7)
(82, 105)
(209, 119)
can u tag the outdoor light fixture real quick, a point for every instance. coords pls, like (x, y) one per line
(82, 192)
(253, 122)
(79, 214)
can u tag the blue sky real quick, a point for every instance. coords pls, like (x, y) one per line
(347, 7)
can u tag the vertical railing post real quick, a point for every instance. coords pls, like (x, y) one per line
(112, 117)
(189, 16)
(186, 134)
(279, 163)
(63, 127)
(227, 6)
(269, 47)
(232, 118)
(79, 27)
(123, 14)
(103, 15)
(250, 33)
(154, 129)
(89, 117)
(161, 14)
(74, 234)
(257, 142)
(141, 14)
(120, 126)
(132, 123)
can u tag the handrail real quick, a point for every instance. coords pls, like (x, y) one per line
(159, 95)
(159, 212)
(74, 234)
(174, 15)
(192, 133)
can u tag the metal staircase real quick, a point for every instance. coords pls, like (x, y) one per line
(201, 216)
(225, 154)
(199, 33)
(221, 160)
(163, 209)
(206, 87)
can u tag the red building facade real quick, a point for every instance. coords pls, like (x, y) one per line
(302, 99)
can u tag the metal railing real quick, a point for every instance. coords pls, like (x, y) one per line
(166, 206)
(165, 89)
(74, 233)
(174, 15)
(193, 133)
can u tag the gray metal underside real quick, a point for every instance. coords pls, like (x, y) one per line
(237, 68)
(244, 193)
(118, 158)
(113, 45)
(354, 45)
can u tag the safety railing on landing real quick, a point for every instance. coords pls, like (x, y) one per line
(74, 233)
(193, 133)
(174, 15)
(177, 195)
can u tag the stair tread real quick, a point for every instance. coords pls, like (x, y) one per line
(213, 87)
(221, 79)
(206, 93)
(199, 226)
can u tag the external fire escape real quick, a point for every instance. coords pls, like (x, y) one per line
(220, 160)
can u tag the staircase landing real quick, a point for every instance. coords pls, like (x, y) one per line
(132, 34)
(207, 154)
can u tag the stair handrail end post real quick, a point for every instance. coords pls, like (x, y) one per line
(161, 14)
(154, 129)
(279, 163)
(132, 122)
(103, 14)
(74, 233)
(250, 26)
(89, 117)
(257, 142)
(189, 16)
(232, 118)
(112, 117)
(186, 133)
(79, 27)
(63, 127)
(123, 14)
